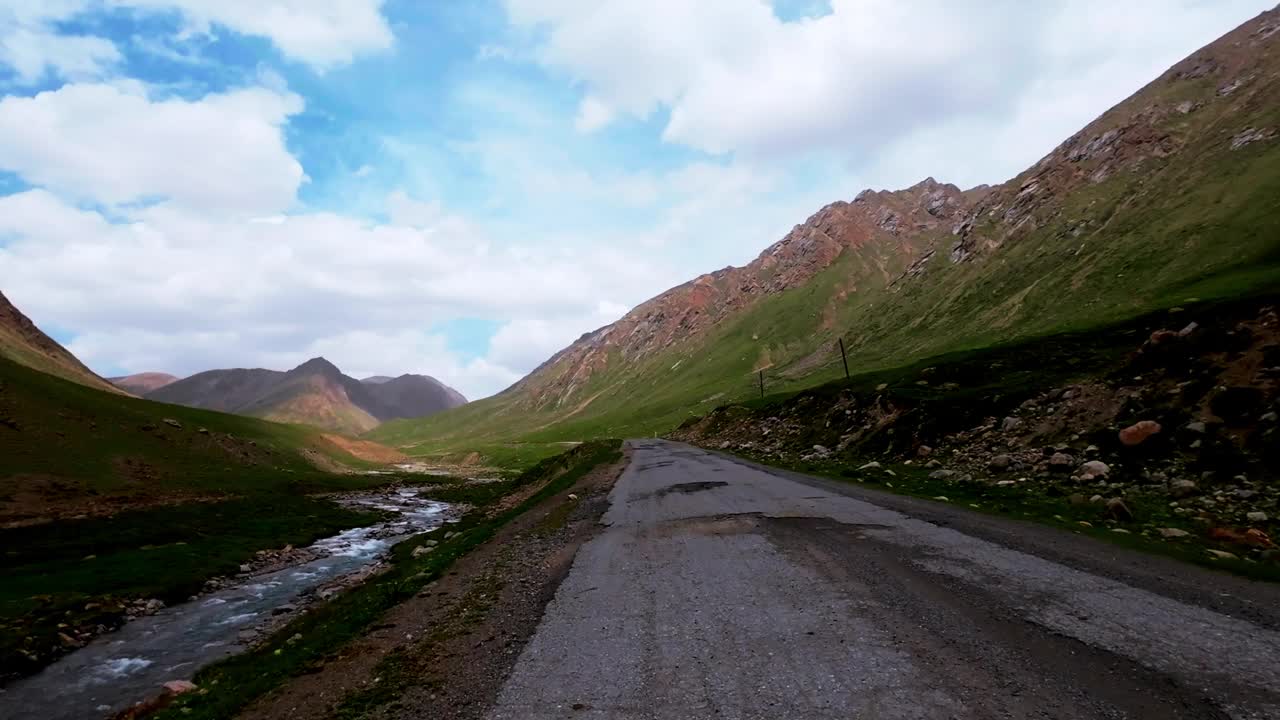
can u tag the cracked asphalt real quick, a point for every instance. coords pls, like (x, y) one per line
(720, 589)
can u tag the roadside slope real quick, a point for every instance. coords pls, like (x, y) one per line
(1173, 194)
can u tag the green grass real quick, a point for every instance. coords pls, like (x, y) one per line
(324, 629)
(190, 505)
(1028, 501)
(79, 573)
(1203, 222)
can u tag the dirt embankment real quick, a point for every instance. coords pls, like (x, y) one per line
(446, 652)
(366, 449)
(1172, 436)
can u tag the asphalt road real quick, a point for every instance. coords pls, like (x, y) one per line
(724, 590)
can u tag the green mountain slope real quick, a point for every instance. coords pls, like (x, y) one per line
(1171, 196)
(22, 342)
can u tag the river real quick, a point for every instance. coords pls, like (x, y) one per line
(131, 664)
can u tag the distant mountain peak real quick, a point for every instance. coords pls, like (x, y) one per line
(320, 365)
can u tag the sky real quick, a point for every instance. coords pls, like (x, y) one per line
(461, 188)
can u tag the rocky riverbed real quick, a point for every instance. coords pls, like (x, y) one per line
(164, 645)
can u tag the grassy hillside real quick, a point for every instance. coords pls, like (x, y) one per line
(1169, 198)
(22, 342)
(105, 499)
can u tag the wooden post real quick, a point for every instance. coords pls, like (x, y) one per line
(844, 358)
(762, 384)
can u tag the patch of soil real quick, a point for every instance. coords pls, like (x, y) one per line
(34, 499)
(366, 449)
(446, 652)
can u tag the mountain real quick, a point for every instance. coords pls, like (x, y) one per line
(22, 342)
(377, 379)
(143, 383)
(1170, 197)
(314, 393)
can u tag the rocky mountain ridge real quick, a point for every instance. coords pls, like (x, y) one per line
(314, 393)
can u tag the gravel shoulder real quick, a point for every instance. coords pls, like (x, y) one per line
(445, 652)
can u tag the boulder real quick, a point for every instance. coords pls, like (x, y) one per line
(1000, 462)
(177, 687)
(1093, 470)
(1183, 488)
(1117, 510)
(1138, 433)
(1061, 462)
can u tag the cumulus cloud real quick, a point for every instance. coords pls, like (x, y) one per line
(734, 77)
(32, 48)
(113, 143)
(321, 33)
(167, 289)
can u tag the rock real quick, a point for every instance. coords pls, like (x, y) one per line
(1183, 488)
(573, 496)
(247, 635)
(177, 687)
(1010, 424)
(1122, 531)
(1269, 418)
(1257, 516)
(924, 451)
(245, 568)
(420, 551)
(942, 474)
(1138, 433)
(1117, 510)
(1093, 470)
(284, 609)
(1000, 462)
(1096, 499)
(172, 423)
(821, 450)
(882, 387)
(1245, 494)
(1196, 427)
(933, 464)
(1222, 555)
(1078, 500)
(1171, 533)
(1092, 450)
(1061, 462)
(871, 466)
(942, 498)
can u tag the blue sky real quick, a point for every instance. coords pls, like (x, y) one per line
(461, 188)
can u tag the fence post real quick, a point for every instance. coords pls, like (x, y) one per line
(761, 384)
(844, 358)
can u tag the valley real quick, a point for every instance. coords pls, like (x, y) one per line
(1009, 450)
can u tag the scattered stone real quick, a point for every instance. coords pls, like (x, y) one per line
(177, 687)
(284, 609)
(924, 451)
(942, 474)
(873, 465)
(172, 423)
(1096, 499)
(420, 551)
(1222, 555)
(1197, 427)
(1061, 462)
(882, 387)
(943, 498)
(1171, 533)
(1000, 462)
(1269, 418)
(1183, 488)
(203, 431)
(1078, 500)
(245, 568)
(573, 496)
(1085, 523)
(933, 464)
(1093, 470)
(1006, 483)
(1092, 450)
(1122, 531)
(1257, 516)
(1117, 510)
(1010, 424)
(1138, 433)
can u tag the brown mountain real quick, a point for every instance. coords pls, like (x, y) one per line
(143, 383)
(1170, 197)
(24, 343)
(314, 393)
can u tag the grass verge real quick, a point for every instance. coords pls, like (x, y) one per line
(230, 685)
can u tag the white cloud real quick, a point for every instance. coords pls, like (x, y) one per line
(321, 33)
(870, 73)
(113, 144)
(172, 290)
(31, 47)
(592, 115)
